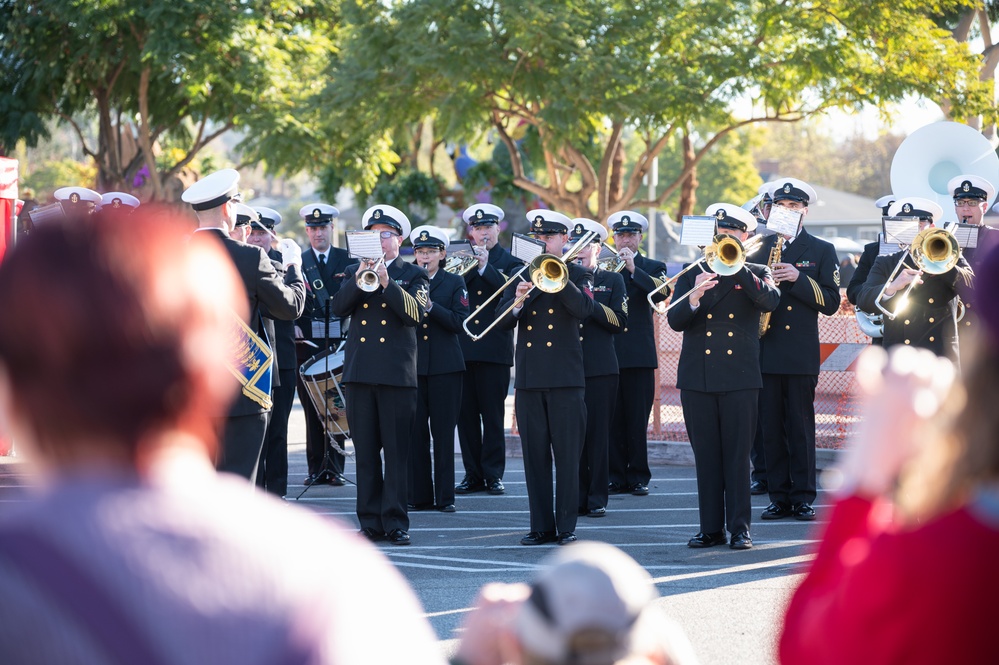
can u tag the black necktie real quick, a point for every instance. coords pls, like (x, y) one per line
(322, 262)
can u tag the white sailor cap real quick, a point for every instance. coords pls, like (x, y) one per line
(581, 225)
(245, 214)
(77, 195)
(731, 216)
(269, 217)
(766, 190)
(386, 214)
(915, 206)
(429, 236)
(318, 214)
(213, 190)
(794, 190)
(627, 221)
(483, 213)
(118, 201)
(971, 187)
(547, 221)
(885, 202)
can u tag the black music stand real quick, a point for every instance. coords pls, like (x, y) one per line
(326, 468)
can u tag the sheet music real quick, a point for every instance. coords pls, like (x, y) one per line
(319, 328)
(966, 234)
(784, 221)
(460, 248)
(885, 248)
(900, 230)
(526, 248)
(697, 230)
(606, 252)
(364, 244)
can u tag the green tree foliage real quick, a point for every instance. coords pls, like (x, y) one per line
(586, 74)
(151, 70)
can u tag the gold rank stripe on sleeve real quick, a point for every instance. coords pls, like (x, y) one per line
(413, 307)
(610, 315)
(819, 298)
(658, 282)
(967, 275)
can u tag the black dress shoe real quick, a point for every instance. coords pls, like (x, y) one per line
(640, 489)
(758, 487)
(495, 486)
(596, 512)
(416, 507)
(566, 538)
(538, 538)
(398, 537)
(467, 486)
(777, 510)
(337, 480)
(372, 534)
(741, 541)
(614, 488)
(804, 512)
(449, 508)
(707, 540)
(311, 479)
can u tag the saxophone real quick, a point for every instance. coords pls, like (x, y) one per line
(773, 260)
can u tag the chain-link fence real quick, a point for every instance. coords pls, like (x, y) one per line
(836, 406)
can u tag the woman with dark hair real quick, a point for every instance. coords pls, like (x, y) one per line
(114, 354)
(906, 570)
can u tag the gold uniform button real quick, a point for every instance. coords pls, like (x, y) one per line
(787, 327)
(789, 308)
(730, 352)
(528, 345)
(930, 301)
(363, 322)
(707, 352)
(549, 343)
(384, 305)
(931, 339)
(530, 327)
(709, 316)
(551, 311)
(383, 322)
(731, 334)
(580, 339)
(625, 330)
(731, 316)
(424, 325)
(381, 339)
(906, 341)
(365, 305)
(709, 333)
(533, 313)
(932, 319)
(580, 325)
(362, 339)
(907, 322)
(476, 321)
(425, 338)
(550, 326)
(478, 293)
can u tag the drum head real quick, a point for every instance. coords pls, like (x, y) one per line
(323, 365)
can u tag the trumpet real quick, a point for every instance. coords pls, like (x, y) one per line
(367, 279)
(935, 251)
(547, 272)
(724, 256)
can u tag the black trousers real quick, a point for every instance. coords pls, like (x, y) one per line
(272, 472)
(757, 455)
(594, 463)
(242, 440)
(721, 427)
(481, 435)
(437, 404)
(629, 444)
(552, 424)
(787, 409)
(315, 435)
(381, 420)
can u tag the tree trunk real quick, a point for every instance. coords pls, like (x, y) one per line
(145, 139)
(688, 189)
(615, 186)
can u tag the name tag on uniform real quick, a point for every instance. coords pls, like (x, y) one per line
(804, 264)
(319, 328)
(601, 289)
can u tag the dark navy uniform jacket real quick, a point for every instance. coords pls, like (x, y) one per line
(929, 321)
(791, 344)
(864, 266)
(332, 277)
(609, 318)
(636, 345)
(497, 346)
(437, 338)
(721, 339)
(549, 353)
(381, 342)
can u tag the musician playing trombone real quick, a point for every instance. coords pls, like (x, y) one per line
(719, 380)
(486, 382)
(925, 305)
(380, 372)
(550, 383)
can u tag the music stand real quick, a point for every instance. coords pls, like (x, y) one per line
(326, 468)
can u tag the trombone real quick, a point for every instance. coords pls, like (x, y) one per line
(367, 279)
(724, 256)
(935, 251)
(547, 272)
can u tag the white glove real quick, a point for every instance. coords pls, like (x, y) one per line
(291, 253)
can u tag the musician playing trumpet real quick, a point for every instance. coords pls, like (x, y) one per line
(439, 366)
(928, 317)
(719, 380)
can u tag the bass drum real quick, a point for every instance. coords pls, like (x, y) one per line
(321, 375)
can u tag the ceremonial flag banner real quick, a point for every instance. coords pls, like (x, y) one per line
(8, 198)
